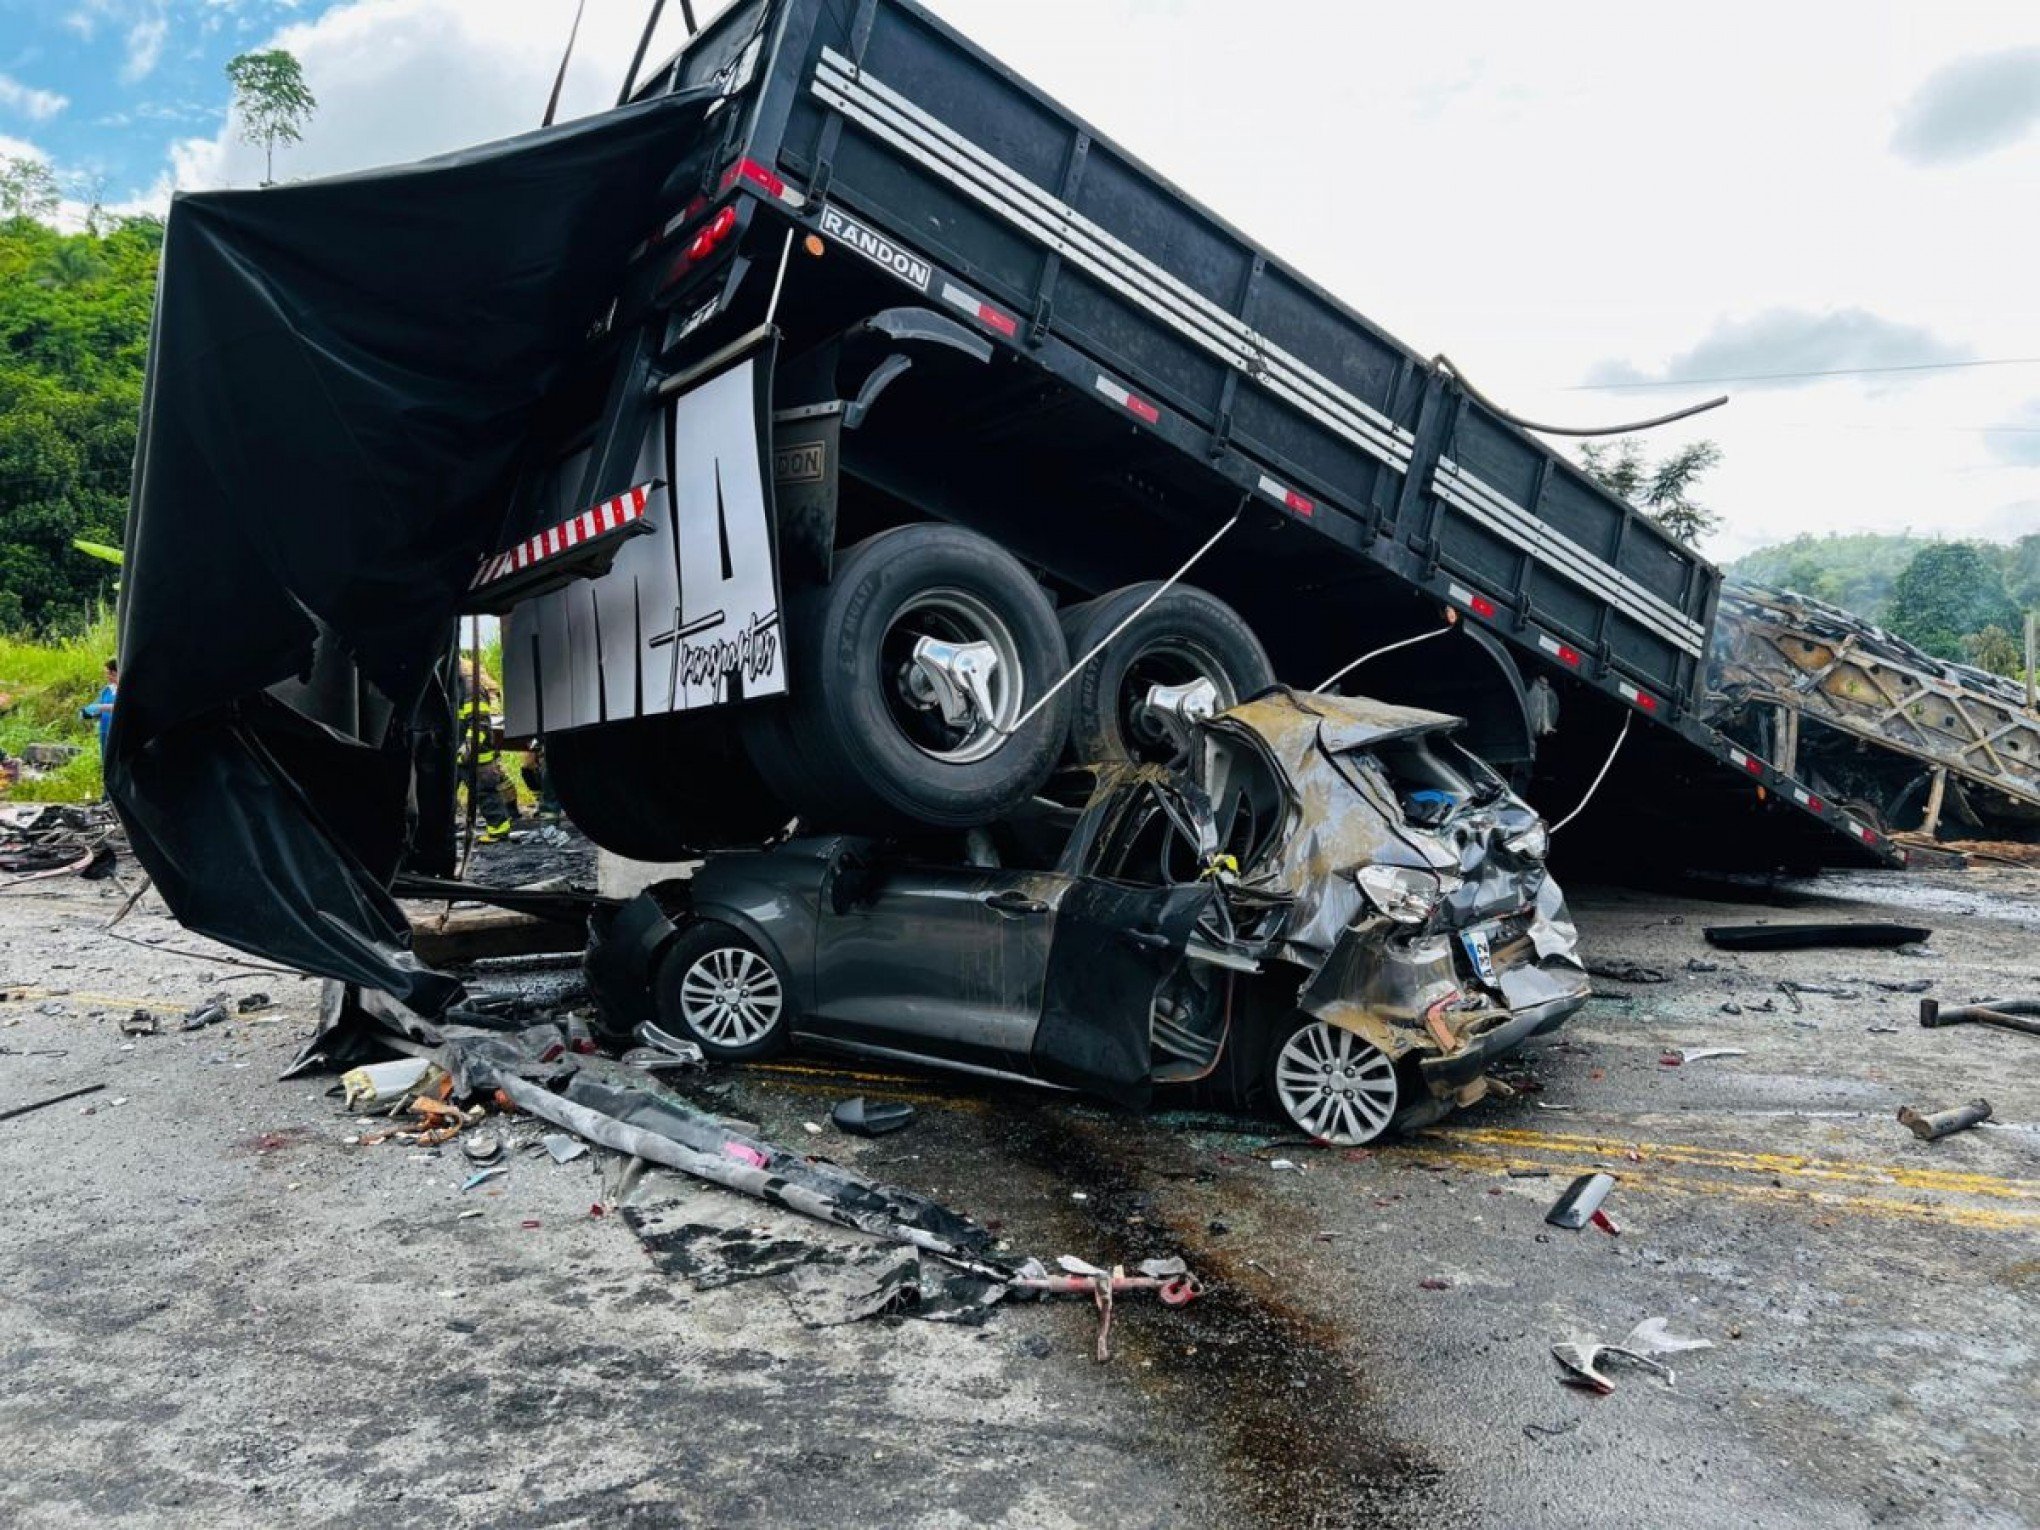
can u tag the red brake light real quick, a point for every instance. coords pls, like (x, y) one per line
(713, 233)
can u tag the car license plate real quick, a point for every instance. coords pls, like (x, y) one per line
(1479, 953)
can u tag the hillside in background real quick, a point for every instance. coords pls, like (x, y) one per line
(1959, 600)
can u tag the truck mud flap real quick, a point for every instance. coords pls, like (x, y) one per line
(1114, 948)
(688, 616)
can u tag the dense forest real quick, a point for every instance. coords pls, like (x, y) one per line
(74, 329)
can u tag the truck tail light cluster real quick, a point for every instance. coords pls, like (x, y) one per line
(713, 234)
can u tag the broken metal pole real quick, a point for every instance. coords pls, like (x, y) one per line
(1931, 1128)
(2007, 1014)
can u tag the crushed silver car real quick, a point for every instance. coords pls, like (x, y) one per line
(1324, 908)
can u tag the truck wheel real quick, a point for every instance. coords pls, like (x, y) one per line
(718, 990)
(1330, 1084)
(1185, 638)
(662, 788)
(911, 670)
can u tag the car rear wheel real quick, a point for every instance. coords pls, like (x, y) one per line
(718, 989)
(912, 671)
(1186, 639)
(1332, 1085)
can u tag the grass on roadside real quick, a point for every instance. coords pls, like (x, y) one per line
(47, 681)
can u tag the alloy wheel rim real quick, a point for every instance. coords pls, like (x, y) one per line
(730, 996)
(1335, 1086)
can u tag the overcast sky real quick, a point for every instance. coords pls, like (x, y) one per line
(1577, 203)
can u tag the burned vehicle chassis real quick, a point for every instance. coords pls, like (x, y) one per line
(1314, 911)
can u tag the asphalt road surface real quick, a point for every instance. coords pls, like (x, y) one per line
(214, 1309)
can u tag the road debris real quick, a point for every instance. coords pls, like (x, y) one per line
(385, 1085)
(1582, 1356)
(142, 1022)
(482, 1147)
(1942, 1123)
(199, 1016)
(1625, 971)
(482, 1177)
(1581, 1200)
(868, 1118)
(55, 1099)
(562, 1148)
(1703, 1054)
(1866, 935)
(2005, 1014)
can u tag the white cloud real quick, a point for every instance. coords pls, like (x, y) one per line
(34, 104)
(400, 79)
(145, 41)
(1983, 102)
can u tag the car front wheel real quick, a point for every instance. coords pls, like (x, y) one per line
(716, 988)
(1332, 1085)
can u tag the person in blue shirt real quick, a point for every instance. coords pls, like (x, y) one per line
(103, 707)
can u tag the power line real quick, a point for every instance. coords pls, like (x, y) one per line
(1749, 377)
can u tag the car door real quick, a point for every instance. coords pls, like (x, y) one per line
(940, 960)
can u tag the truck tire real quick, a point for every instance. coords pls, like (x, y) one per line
(866, 742)
(1189, 634)
(662, 788)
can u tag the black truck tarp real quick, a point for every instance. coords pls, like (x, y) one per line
(340, 377)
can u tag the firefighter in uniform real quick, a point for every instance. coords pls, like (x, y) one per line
(494, 807)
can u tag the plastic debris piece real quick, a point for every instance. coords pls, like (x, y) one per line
(252, 1003)
(474, 1212)
(482, 1147)
(142, 1022)
(528, 1223)
(812, 1128)
(1582, 1198)
(743, 1152)
(1702, 1054)
(384, 1083)
(483, 1176)
(1285, 1165)
(871, 1118)
(1606, 1223)
(1435, 1283)
(199, 1016)
(564, 1149)
(1581, 1356)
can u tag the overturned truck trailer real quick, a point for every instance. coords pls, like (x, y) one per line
(806, 419)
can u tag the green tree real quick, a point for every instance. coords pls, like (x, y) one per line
(271, 101)
(28, 188)
(1948, 592)
(74, 327)
(1662, 490)
(1996, 650)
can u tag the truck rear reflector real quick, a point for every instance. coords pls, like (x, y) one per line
(540, 561)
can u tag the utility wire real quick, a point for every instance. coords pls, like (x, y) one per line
(1751, 377)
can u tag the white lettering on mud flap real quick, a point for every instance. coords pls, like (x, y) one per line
(876, 248)
(685, 618)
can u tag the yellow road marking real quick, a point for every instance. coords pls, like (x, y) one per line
(25, 995)
(1989, 1218)
(1942, 1181)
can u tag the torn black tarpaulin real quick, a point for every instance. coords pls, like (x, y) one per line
(340, 377)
